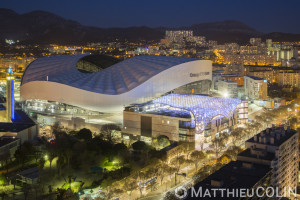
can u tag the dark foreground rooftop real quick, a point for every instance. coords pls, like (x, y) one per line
(234, 175)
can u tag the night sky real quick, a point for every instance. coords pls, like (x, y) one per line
(263, 15)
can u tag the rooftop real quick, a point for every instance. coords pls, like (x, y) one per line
(6, 140)
(264, 156)
(255, 78)
(204, 108)
(32, 173)
(114, 78)
(273, 136)
(21, 122)
(235, 174)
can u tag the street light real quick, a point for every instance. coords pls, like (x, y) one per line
(225, 94)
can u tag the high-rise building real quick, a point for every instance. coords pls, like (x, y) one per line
(269, 161)
(179, 35)
(279, 149)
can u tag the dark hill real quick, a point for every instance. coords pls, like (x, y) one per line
(45, 27)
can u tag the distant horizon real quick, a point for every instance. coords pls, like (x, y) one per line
(260, 15)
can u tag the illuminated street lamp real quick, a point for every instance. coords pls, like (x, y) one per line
(225, 94)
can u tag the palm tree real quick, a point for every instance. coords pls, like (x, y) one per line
(60, 163)
(26, 189)
(41, 165)
(68, 154)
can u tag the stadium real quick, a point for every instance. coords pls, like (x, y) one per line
(106, 84)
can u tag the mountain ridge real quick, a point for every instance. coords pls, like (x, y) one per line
(45, 27)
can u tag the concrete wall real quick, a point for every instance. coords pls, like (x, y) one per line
(161, 125)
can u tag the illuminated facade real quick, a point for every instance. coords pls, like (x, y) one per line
(116, 84)
(203, 108)
(188, 118)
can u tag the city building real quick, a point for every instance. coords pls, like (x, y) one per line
(178, 36)
(233, 68)
(235, 78)
(277, 148)
(289, 77)
(233, 177)
(267, 74)
(115, 85)
(255, 41)
(8, 147)
(15, 123)
(270, 160)
(22, 127)
(227, 88)
(183, 118)
(255, 88)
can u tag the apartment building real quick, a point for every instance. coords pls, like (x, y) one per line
(278, 148)
(255, 87)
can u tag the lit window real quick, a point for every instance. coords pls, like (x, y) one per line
(168, 122)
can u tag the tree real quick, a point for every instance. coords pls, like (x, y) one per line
(162, 169)
(26, 190)
(107, 184)
(129, 186)
(3, 195)
(41, 165)
(139, 146)
(237, 134)
(60, 163)
(3, 180)
(218, 144)
(177, 162)
(25, 150)
(116, 191)
(170, 171)
(85, 134)
(163, 141)
(140, 176)
(5, 157)
(224, 159)
(150, 174)
(108, 130)
(68, 153)
(197, 156)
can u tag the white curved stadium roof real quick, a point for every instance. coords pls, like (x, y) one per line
(134, 80)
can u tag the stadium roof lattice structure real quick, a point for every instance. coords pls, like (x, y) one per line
(204, 108)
